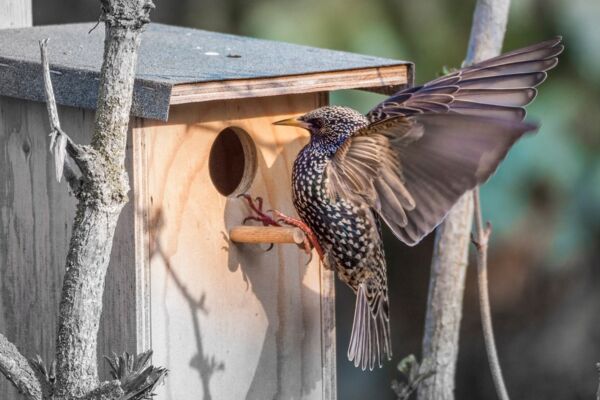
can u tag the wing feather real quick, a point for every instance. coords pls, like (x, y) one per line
(507, 80)
(426, 146)
(420, 166)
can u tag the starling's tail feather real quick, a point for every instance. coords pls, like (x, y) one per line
(370, 341)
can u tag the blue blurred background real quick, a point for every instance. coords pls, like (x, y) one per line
(544, 202)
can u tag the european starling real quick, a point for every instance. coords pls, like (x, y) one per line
(406, 162)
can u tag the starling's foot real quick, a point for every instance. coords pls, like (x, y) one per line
(311, 238)
(310, 241)
(256, 205)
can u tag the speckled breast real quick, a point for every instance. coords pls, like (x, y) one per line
(345, 231)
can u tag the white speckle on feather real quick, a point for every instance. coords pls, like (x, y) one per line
(211, 53)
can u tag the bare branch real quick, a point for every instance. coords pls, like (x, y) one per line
(50, 99)
(444, 304)
(444, 308)
(18, 371)
(480, 240)
(103, 194)
(60, 143)
(487, 32)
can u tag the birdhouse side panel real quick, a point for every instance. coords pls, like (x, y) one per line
(36, 216)
(230, 320)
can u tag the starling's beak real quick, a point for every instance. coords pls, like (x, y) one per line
(293, 122)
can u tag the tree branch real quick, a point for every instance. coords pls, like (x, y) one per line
(487, 35)
(102, 195)
(60, 143)
(18, 371)
(444, 307)
(480, 240)
(487, 32)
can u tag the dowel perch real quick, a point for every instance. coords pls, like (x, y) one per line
(266, 234)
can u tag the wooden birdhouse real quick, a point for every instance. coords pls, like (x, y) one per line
(229, 320)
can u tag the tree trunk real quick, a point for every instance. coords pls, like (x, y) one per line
(101, 192)
(444, 305)
(448, 269)
(101, 199)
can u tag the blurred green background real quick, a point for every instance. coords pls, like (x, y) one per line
(544, 202)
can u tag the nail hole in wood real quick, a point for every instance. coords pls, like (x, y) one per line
(232, 162)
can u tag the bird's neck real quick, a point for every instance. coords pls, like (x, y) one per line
(326, 146)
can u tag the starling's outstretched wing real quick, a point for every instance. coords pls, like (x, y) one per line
(428, 145)
(411, 170)
(498, 87)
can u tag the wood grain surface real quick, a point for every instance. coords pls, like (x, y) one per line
(15, 14)
(215, 312)
(382, 79)
(231, 321)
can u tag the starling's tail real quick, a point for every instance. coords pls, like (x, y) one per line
(370, 340)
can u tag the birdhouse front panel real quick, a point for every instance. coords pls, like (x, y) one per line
(222, 312)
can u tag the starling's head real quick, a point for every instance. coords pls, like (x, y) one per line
(330, 124)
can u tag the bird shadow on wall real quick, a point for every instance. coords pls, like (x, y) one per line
(205, 364)
(289, 365)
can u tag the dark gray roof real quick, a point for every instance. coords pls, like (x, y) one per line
(169, 56)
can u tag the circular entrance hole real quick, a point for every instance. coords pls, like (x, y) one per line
(232, 161)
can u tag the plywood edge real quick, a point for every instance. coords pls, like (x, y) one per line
(381, 79)
(328, 331)
(141, 233)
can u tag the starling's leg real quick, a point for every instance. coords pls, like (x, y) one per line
(310, 235)
(260, 216)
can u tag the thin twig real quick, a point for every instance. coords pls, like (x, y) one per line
(60, 142)
(480, 240)
(50, 99)
(487, 34)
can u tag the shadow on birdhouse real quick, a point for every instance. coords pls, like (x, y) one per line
(229, 320)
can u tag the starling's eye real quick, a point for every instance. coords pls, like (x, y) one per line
(316, 123)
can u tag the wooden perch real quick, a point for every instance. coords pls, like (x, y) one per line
(266, 234)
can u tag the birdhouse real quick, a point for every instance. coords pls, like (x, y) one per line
(230, 320)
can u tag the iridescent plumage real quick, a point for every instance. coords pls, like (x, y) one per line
(407, 162)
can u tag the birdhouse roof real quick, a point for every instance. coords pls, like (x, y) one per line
(182, 65)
